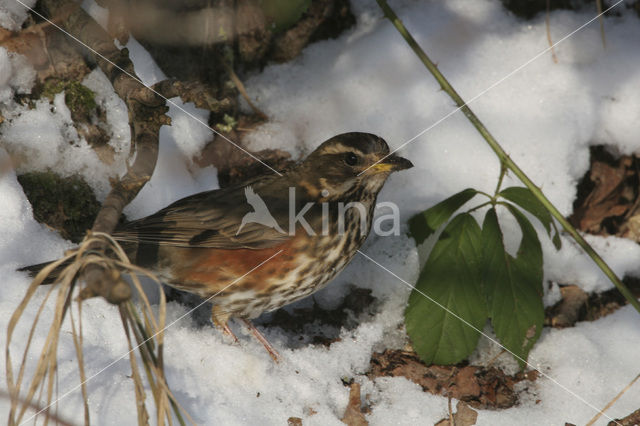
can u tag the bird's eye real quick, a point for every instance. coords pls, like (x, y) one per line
(351, 159)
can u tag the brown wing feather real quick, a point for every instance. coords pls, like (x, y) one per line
(212, 219)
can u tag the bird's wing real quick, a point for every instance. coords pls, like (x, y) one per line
(210, 219)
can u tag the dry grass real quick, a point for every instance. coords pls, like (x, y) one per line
(613, 401)
(139, 322)
(57, 419)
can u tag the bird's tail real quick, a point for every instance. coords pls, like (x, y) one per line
(33, 270)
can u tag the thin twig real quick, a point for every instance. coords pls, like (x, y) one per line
(495, 357)
(243, 91)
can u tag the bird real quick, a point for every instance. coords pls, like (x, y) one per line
(218, 245)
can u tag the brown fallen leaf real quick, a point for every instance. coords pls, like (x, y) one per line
(480, 387)
(30, 43)
(597, 305)
(294, 421)
(608, 196)
(464, 416)
(632, 419)
(353, 415)
(631, 229)
(604, 201)
(572, 306)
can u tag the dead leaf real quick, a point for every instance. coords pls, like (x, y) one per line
(353, 415)
(632, 419)
(596, 305)
(480, 387)
(573, 304)
(608, 196)
(30, 43)
(294, 421)
(464, 416)
(632, 230)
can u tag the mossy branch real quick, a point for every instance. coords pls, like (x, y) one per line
(146, 113)
(503, 156)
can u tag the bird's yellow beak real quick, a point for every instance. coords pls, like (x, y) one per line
(381, 167)
(391, 163)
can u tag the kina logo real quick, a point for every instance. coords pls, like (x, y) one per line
(260, 213)
(297, 221)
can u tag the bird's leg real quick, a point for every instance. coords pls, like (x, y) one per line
(272, 351)
(222, 324)
(226, 330)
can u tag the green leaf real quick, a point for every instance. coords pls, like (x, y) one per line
(525, 199)
(452, 278)
(513, 286)
(422, 225)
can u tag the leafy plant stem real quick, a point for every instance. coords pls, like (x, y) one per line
(479, 206)
(503, 172)
(505, 160)
(490, 197)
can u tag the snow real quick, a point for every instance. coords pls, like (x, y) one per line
(545, 114)
(175, 174)
(13, 13)
(44, 138)
(15, 75)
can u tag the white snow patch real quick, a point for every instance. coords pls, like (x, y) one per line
(14, 13)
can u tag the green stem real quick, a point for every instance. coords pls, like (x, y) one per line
(503, 172)
(504, 157)
(479, 206)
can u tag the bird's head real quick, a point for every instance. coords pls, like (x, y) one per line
(348, 163)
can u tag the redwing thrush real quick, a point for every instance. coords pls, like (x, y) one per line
(301, 222)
